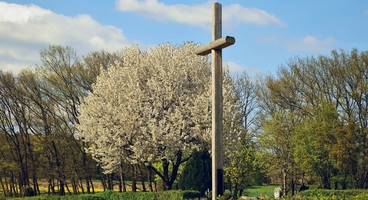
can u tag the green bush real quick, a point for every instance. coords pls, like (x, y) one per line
(111, 195)
(164, 195)
(361, 196)
(136, 195)
(29, 192)
(336, 194)
(91, 197)
(168, 195)
(197, 173)
(226, 196)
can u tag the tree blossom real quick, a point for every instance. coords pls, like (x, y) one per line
(153, 107)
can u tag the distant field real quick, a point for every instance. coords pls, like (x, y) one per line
(260, 191)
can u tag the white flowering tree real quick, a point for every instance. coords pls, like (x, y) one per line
(153, 108)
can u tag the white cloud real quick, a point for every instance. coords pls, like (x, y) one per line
(27, 29)
(310, 43)
(237, 13)
(198, 14)
(306, 43)
(238, 68)
(11, 67)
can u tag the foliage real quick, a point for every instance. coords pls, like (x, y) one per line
(324, 102)
(111, 195)
(90, 197)
(240, 113)
(29, 192)
(38, 113)
(151, 109)
(277, 148)
(173, 194)
(340, 194)
(197, 173)
(191, 194)
(240, 168)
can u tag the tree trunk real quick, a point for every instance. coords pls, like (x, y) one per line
(74, 186)
(134, 186)
(120, 185)
(120, 178)
(166, 182)
(81, 185)
(235, 191)
(7, 187)
(124, 185)
(36, 187)
(88, 186)
(92, 186)
(110, 186)
(103, 183)
(142, 179)
(150, 179)
(61, 187)
(13, 190)
(143, 186)
(169, 180)
(284, 182)
(3, 187)
(325, 182)
(241, 192)
(67, 188)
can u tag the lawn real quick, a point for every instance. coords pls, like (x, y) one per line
(260, 191)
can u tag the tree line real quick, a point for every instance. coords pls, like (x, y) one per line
(130, 115)
(38, 114)
(315, 126)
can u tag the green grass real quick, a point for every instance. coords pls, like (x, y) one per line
(312, 194)
(260, 191)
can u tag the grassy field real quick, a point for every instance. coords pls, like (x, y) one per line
(260, 191)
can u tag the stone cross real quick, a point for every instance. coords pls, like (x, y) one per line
(215, 47)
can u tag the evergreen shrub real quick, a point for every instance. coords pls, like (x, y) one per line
(191, 194)
(29, 192)
(197, 173)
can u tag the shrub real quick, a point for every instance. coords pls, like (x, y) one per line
(361, 196)
(91, 197)
(136, 195)
(172, 194)
(340, 194)
(226, 196)
(191, 194)
(29, 192)
(197, 173)
(164, 195)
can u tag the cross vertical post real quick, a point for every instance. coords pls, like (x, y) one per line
(215, 48)
(217, 146)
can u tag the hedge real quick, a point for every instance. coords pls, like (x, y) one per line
(336, 194)
(111, 195)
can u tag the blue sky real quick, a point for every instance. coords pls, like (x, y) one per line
(268, 33)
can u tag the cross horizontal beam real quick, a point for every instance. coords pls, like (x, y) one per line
(215, 45)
